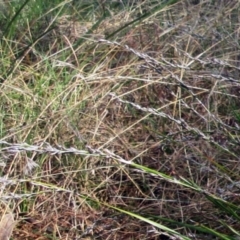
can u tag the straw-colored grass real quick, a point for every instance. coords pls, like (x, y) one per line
(120, 119)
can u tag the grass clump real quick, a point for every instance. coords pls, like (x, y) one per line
(120, 120)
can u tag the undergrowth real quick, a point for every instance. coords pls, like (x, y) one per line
(120, 119)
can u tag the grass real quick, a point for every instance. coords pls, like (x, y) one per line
(120, 120)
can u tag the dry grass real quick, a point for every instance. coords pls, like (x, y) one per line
(85, 118)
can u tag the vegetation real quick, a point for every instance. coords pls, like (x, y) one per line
(120, 119)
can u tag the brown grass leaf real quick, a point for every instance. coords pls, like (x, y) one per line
(6, 226)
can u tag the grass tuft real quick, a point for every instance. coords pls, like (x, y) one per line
(120, 119)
